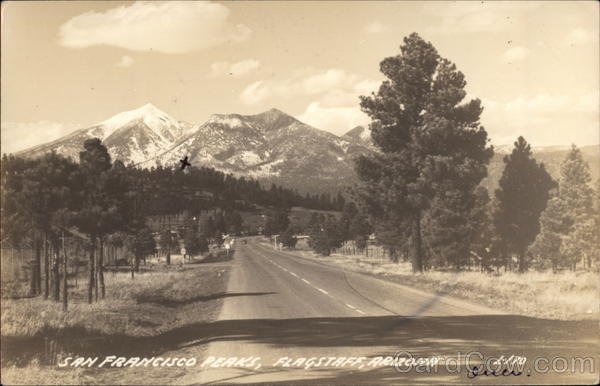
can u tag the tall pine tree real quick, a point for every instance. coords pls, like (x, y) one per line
(522, 195)
(106, 207)
(430, 141)
(568, 222)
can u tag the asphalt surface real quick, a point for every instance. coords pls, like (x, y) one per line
(288, 319)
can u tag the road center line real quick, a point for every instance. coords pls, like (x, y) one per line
(315, 287)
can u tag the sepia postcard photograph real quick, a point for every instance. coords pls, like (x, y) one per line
(300, 192)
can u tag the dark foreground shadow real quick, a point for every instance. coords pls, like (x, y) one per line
(172, 303)
(423, 336)
(219, 257)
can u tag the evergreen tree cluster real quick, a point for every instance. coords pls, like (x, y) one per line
(422, 190)
(102, 205)
(53, 197)
(325, 236)
(327, 232)
(276, 222)
(162, 191)
(570, 223)
(195, 240)
(522, 195)
(433, 153)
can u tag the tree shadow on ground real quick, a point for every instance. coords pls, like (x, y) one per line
(174, 303)
(219, 257)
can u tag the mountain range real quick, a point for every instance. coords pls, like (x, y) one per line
(550, 156)
(130, 136)
(271, 146)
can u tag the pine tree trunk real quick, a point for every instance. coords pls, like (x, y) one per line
(65, 276)
(91, 272)
(169, 244)
(101, 270)
(95, 273)
(416, 253)
(22, 258)
(32, 279)
(46, 268)
(137, 263)
(522, 262)
(38, 268)
(36, 286)
(56, 271)
(76, 267)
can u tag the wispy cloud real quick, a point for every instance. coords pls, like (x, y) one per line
(167, 27)
(333, 94)
(580, 36)
(234, 69)
(255, 93)
(542, 117)
(335, 119)
(462, 17)
(125, 61)
(331, 83)
(552, 103)
(17, 136)
(375, 27)
(515, 54)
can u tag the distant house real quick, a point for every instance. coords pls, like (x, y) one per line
(302, 242)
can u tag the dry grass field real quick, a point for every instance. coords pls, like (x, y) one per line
(564, 295)
(155, 302)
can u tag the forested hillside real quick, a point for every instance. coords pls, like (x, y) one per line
(56, 206)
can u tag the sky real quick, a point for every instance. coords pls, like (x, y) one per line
(69, 65)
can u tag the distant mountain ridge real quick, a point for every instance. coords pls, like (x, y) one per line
(360, 134)
(550, 156)
(130, 136)
(271, 146)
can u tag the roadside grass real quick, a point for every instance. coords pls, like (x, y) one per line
(564, 295)
(36, 374)
(153, 303)
(137, 307)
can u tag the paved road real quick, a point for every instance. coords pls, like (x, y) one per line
(282, 310)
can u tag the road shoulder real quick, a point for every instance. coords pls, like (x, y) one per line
(475, 305)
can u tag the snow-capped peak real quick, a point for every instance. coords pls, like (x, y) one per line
(149, 114)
